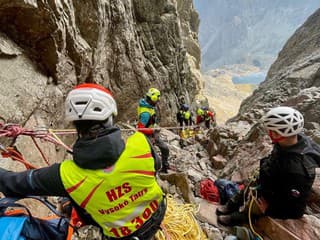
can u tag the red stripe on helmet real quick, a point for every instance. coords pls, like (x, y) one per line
(93, 85)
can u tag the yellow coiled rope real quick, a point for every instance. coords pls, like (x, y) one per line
(179, 223)
(189, 132)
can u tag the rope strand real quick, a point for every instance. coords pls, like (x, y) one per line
(15, 130)
(51, 135)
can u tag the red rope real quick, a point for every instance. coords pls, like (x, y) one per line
(15, 130)
(16, 156)
(39, 149)
(12, 130)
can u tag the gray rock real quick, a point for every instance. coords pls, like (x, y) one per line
(119, 44)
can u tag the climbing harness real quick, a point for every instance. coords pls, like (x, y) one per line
(251, 185)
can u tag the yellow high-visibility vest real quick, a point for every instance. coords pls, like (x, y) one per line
(187, 115)
(151, 111)
(120, 198)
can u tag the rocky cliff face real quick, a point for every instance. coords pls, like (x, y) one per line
(293, 79)
(250, 32)
(49, 46)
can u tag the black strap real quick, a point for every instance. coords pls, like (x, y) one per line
(47, 203)
(12, 202)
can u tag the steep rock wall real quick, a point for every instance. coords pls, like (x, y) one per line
(293, 79)
(127, 46)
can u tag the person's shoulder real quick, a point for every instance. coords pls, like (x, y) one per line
(142, 101)
(299, 163)
(310, 145)
(138, 136)
(295, 165)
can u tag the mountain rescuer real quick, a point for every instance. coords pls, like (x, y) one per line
(148, 120)
(286, 175)
(204, 115)
(184, 116)
(111, 183)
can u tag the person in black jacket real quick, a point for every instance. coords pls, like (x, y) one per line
(111, 183)
(286, 175)
(184, 116)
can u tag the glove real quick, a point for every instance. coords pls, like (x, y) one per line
(157, 130)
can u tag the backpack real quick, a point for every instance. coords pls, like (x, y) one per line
(316, 153)
(311, 158)
(17, 223)
(227, 189)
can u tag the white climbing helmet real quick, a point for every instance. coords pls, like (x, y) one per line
(286, 121)
(89, 101)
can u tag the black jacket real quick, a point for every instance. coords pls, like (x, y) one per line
(286, 178)
(97, 153)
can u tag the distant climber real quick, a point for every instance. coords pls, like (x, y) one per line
(111, 183)
(184, 116)
(147, 120)
(286, 175)
(205, 116)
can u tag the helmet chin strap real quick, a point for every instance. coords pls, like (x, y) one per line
(92, 128)
(274, 139)
(152, 103)
(104, 124)
(109, 122)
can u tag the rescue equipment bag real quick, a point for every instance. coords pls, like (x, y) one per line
(17, 222)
